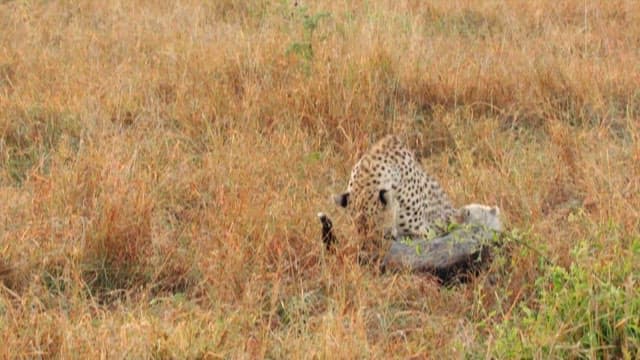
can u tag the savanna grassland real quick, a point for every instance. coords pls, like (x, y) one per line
(162, 164)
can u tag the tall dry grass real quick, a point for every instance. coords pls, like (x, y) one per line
(162, 164)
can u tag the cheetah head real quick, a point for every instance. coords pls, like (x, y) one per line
(488, 216)
(371, 212)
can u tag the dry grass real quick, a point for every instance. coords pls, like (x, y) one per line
(162, 164)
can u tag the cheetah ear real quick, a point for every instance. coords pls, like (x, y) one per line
(342, 200)
(383, 196)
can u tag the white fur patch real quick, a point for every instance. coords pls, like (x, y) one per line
(488, 216)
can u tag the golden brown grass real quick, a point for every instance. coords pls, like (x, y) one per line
(162, 164)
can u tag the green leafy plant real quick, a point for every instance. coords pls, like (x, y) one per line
(304, 47)
(591, 313)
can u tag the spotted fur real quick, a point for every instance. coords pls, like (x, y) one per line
(389, 168)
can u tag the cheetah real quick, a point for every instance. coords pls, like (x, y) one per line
(388, 188)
